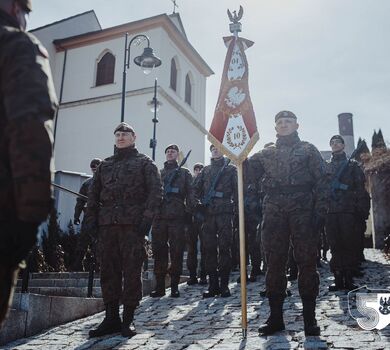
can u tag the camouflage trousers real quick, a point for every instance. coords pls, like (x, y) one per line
(341, 231)
(253, 242)
(121, 253)
(193, 237)
(217, 234)
(168, 237)
(279, 227)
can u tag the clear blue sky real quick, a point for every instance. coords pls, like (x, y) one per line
(315, 58)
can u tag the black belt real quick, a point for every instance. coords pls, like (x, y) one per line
(288, 189)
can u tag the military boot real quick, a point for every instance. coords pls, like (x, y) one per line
(225, 291)
(8, 278)
(338, 282)
(213, 289)
(159, 290)
(254, 273)
(111, 323)
(175, 286)
(348, 281)
(309, 318)
(275, 321)
(193, 280)
(203, 280)
(128, 329)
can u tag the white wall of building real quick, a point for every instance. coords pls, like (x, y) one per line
(87, 117)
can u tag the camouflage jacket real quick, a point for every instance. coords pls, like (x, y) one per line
(292, 175)
(252, 193)
(81, 202)
(355, 198)
(126, 187)
(226, 187)
(181, 198)
(27, 106)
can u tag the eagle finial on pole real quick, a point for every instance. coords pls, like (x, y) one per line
(235, 26)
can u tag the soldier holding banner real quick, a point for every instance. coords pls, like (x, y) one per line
(294, 205)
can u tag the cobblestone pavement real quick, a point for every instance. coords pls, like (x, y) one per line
(191, 323)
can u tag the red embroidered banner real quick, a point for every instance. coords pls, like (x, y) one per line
(233, 129)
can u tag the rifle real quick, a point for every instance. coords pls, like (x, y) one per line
(169, 180)
(336, 184)
(212, 193)
(70, 191)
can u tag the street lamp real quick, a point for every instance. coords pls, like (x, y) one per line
(147, 61)
(154, 105)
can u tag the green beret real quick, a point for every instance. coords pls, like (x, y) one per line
(172, 146)
(285, 114)
(124, 127)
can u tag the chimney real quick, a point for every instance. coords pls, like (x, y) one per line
(346, 131)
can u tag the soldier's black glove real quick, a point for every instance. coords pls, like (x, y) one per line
(145, 226)
(17, 238)
(76, 221)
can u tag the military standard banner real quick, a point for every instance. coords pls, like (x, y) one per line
(233, 128)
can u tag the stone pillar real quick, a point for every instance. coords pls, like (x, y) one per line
(346, 131)
(380, 202)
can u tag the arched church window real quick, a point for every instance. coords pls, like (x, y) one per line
(188, 90)
(105, 69)
(173, 83)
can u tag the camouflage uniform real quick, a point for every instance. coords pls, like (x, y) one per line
(194, 235)
(293, 182)
(124, 196)
(168, 228)
(27, 106)
(84, 238)
(217, 230)
(342, 221)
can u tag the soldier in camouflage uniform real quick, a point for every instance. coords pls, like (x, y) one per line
(122, 201)
(294, 205)
(84, 238)
(346, 203)
(194, 236)
(27, 106)
(168, 234)
(217, 230)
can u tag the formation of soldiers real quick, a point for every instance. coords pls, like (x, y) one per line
(291, 197)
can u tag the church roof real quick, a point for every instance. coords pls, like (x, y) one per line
(164, 21)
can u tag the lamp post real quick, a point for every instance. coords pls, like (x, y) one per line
(155, 106)
(147, 61)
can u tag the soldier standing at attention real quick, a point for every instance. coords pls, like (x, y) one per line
(217, 230)
(348, 201)
(84, 238)
(27, 107)
(294, 205)
(123, 199)
(194, 236)
(168, 227)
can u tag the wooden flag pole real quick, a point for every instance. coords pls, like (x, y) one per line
(241, 217)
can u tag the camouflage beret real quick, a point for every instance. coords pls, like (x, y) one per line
(95, 162)
(124, 127)
(337, 137)
(285, 114)
(25, 4)
(172, 146)
(199, 166)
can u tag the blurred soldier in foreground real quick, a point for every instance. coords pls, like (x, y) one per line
(216, 190)
(84, 238)
(168, 236)
(122, 201)
(294, 205)
(194, 236)
(27, 106)
(348, 202)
